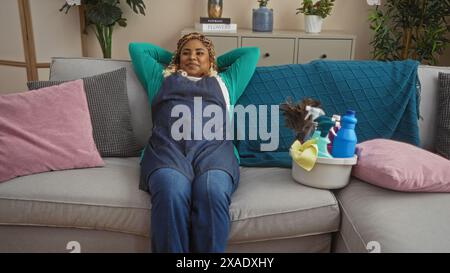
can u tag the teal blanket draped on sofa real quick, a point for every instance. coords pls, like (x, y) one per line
(385, 96)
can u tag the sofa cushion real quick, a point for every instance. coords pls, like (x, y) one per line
(110, 112)
(443, 120)
(267, 205)
(105, 198)
(400, 166)
(398, 221)
(46, 130)
(63, 69)
(429, 89)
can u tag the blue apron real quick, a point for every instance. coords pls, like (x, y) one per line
(190, 157)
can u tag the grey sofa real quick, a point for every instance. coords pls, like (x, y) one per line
(398, 221)
(102, 209)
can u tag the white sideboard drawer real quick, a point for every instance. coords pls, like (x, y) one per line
(223, 44)
(274, 51)
(333, 49)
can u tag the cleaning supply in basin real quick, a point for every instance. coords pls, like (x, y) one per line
(313, 165)
(316, 133)
(333, 131)
(304, 155)
(324, 125)
(316, 122)
(315, 112)
(344, 143)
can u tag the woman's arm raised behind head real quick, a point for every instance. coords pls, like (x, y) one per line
(148, 62)
(241, 64)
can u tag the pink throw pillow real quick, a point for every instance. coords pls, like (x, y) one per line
(401, 166)
(46, 130)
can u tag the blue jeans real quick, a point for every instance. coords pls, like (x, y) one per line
(190, 216)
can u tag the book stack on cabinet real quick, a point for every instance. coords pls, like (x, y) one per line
(208, 24)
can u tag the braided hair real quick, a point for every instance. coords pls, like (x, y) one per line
(174, 65)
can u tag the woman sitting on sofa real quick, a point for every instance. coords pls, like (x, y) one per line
(190, 180)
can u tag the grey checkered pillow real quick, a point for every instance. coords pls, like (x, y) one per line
(442, 143)
(110, 112)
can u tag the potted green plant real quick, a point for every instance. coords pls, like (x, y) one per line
(406, 29)
(262, 3)
(315, 12)
(263, 17)
(103, 15)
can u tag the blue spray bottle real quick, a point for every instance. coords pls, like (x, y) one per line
(344, 143)
(324, 126)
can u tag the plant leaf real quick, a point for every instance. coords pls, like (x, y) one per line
(122, 22)
(104, 14)
(137, 4)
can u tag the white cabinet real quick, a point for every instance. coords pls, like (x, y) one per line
(286, 47)
(333, 49)
(224, 44)
(273, 50)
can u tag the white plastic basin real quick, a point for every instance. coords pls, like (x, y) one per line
(328, 173)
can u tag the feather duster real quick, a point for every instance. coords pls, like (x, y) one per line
(295, 114)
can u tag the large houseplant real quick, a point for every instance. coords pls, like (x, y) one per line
(103, 16)
(315, 12)
(410, 29)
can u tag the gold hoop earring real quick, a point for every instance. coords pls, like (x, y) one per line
(212, 71)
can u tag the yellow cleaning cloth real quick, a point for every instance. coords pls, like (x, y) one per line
(305, 155)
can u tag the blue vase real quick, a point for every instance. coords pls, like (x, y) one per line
(263, 19)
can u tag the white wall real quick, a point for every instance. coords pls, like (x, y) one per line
(57, 34)
(166, 18)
